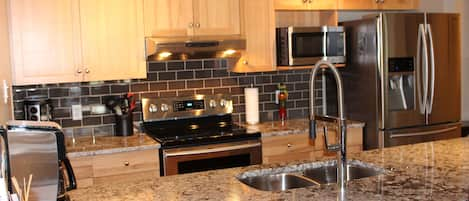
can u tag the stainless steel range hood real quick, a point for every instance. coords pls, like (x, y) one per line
(184, 48)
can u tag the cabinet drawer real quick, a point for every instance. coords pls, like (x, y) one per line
(125, 163)
(286, 148)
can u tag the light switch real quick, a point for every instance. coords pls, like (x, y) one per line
(77, 113)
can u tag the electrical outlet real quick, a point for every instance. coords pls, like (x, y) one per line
(277, 92)
(77, 113)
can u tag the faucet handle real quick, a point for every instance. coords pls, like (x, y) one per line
(330, 147)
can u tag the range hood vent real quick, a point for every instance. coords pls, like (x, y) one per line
(164, 49)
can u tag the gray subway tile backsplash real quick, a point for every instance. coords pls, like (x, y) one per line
(169, 79)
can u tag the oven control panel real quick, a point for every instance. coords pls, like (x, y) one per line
(157, 109)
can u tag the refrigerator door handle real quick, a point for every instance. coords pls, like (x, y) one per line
(423, 72)
(424, 133)
(432, 65)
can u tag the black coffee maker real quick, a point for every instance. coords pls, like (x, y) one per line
(38, 148)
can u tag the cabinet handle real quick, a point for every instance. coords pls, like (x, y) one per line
(6, 92)
(191, 25)
(79, 71)
(289, 145)
(305, 1)
(87, 71)
(197, 25)
(245, 62)
(126, 163)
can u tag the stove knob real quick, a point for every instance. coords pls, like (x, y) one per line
(223, 103)
(212, 104)
(152, 108)
(164, 107)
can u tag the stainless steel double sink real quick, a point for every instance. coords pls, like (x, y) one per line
(304, 176)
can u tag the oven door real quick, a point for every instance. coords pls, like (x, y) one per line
(210, 157)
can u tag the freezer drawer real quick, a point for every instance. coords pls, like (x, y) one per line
(420, 134)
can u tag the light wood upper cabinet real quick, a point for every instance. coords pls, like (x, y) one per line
(305, 4)
(217, 17)
(357, 4)
(56, 41)
(399, 4)
(259, 26)
(112, 39)
(45, 43)
(378, 4)
(168, 18)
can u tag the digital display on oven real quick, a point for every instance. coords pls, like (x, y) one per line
(189, 105)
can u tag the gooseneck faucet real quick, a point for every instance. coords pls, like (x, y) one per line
(340, 148)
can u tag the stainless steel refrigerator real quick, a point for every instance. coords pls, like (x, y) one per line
(403, 77)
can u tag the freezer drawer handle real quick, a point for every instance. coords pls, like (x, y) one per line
(424, 133)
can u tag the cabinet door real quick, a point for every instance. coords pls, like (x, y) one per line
(165, 18)
(305, 4)
(291, 4)
(259, 23)
(44, 41)
(217, 17)
(358, 4)
(112, 39)
(399, 4)
(5, 73)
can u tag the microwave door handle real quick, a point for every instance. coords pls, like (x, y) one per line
(432, 65)
(324, 45)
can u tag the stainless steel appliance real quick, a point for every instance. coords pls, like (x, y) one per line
(184, 48)
(403, 77)
(308, 45)
(38, 148)
(38, 108)
(197, 133)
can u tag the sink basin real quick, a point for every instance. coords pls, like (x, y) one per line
(327, 174)
(277, 182)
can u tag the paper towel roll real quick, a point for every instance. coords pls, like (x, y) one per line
(251, 97)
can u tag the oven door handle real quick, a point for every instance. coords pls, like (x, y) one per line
(211, 150)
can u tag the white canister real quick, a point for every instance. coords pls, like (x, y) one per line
(251, 97)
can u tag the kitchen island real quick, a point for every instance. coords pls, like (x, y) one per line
(426, 171)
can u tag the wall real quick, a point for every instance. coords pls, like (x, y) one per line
(170, 79)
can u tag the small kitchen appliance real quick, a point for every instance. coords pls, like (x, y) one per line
(308, 45)
(38, 108)
(197, 133)
(38, 148)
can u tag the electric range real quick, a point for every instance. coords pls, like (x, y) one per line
(197, 133)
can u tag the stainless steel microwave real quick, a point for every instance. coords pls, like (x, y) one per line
(308, 45)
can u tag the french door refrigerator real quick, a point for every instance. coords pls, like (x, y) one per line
(403, 77)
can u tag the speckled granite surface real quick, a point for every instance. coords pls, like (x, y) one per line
(87, 146)
(428, 171)
(289, 127)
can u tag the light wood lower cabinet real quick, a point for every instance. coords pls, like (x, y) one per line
(109, 168)
(277, 149)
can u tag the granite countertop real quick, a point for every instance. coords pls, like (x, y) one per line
(89, 146)
(289, 127)
(427, 171)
